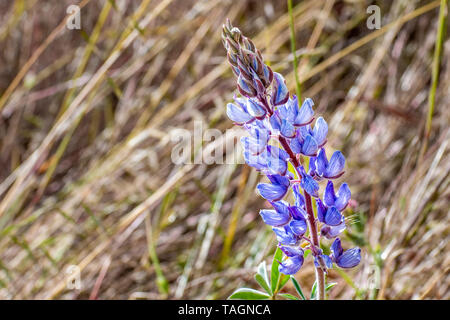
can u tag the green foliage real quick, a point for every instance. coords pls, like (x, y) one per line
(248, 294)
(271, 287)
(275, 274)
(313, 291)
(298, 288)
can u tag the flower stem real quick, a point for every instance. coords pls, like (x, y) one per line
(320, 275)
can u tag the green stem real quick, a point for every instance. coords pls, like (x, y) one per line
(294, 50)
(435, 72)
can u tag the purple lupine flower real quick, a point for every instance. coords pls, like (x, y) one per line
(340, 201)
(267, 112)
(332, 169)
(323, 261)
(286, 236)
(328, 215)
(291, 265)
(280, 93)
(345, 259)
(294, 261)
(275, 190)
(278, 217)
(308, 183)
(237, 114)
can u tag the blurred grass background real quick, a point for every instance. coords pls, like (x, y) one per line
(86, 176)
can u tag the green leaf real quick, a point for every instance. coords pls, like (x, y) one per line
(298, 288)
(262, 270)
(275, 274)
(262, 278)
(313, 291)
(248, 294)
(262, 282)
(289, 296)
(329, 286)
(284, 278)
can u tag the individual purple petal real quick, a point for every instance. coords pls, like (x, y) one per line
(306, 113)
(336, 230)
(258, 161)
(238, 115)
(271, 192)
(335, 166)
(292, 251)
(350, 258)
(333, 217)
(244, 88)
(328, 262)
(336, 249)
(275, 121)
(321, 210)
(291, 265)
(244, 71)
(268, 75)
(258, 84)
(309, 147)
(320, 131)
(288, 111)
(299, 198)
(256, 63)
(274, 218)
(287, 129)
(259, 135)
(298, 227)
(321, 162)
(344, 195)
(296, 145)
(236, 71)
(297, 213)
(286, 236)
(277, 166)
(280, 93)
(255, 109)
(252, 145)
(258, 127)
(241, 101)
(276, 152)
(329, 196)
(277, 179)
(309, 185)
(323, 261)
(331, 232)
(276, 160)
(282, 207)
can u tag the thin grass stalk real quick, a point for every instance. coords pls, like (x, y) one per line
(435, 74)
(293, 50)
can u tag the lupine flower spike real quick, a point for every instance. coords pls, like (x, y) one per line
(267, 110)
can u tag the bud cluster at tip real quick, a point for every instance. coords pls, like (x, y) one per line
(246, 62)
(267, 111)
